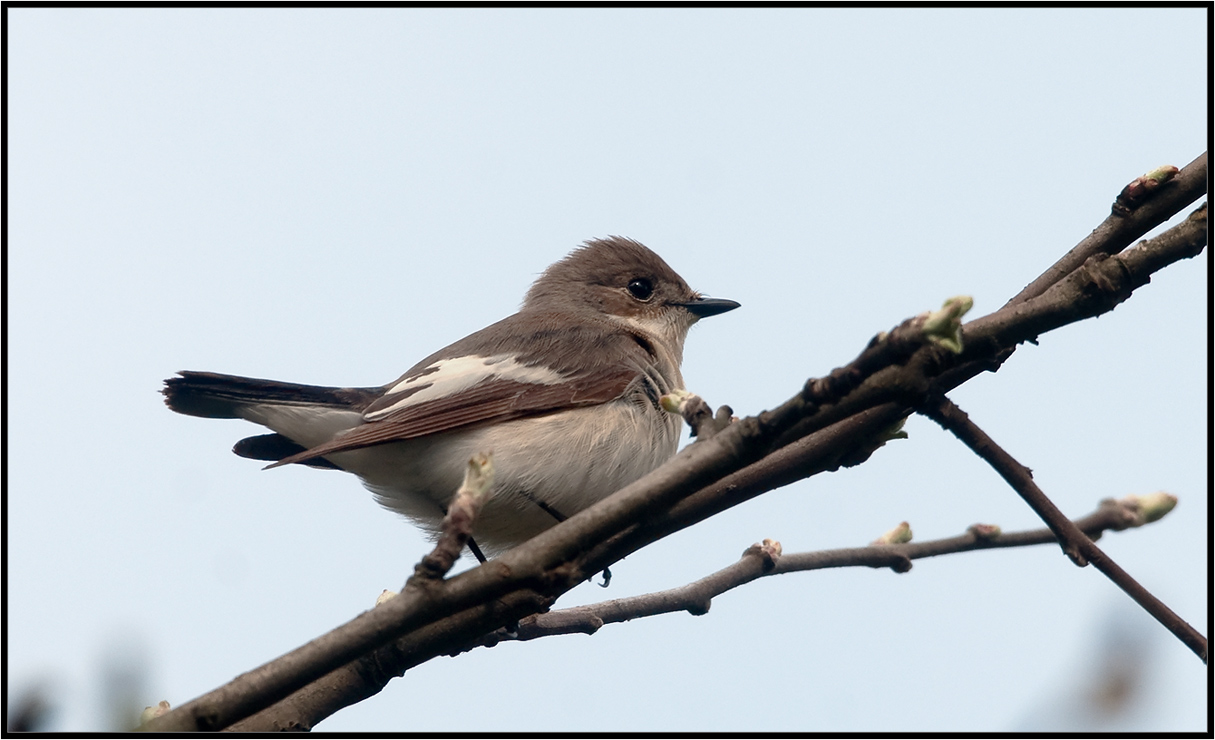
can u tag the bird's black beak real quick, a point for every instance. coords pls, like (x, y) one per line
(702, 307)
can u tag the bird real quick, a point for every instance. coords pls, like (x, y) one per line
(565, 394)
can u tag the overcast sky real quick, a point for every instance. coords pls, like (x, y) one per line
(328, 195)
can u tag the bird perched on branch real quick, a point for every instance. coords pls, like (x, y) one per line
(565, 393)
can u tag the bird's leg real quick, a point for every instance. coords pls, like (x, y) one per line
(607, 572)
(476, 551)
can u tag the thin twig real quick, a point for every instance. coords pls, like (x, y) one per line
(1118, 231)
(456, 529)
(1075, 543)
(765, 560)
(697, 414)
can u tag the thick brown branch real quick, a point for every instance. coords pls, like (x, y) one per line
(843, 444)
(366, 676)
(1076, 544)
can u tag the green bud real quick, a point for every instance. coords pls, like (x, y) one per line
(897, 536)
(944, 327)
(1153, 506)
(674, 401)
(151, 713)
(1162, 174)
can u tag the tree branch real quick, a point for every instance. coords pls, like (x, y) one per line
(1120, 229)
(1076, 544)
(766, 559)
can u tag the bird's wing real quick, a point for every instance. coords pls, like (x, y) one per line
(472, 390)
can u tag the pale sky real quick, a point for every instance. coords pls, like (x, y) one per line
(328, 195)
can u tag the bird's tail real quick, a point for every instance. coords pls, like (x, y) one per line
(218, 396)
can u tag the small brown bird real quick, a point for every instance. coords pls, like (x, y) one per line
(565, 393)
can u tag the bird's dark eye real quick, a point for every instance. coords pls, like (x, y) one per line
(641, 289)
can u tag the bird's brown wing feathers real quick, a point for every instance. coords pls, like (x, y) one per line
(493, 401)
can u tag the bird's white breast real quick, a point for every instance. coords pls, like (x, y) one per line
(569, 460)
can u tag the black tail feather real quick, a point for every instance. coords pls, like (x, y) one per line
(275, 447)
(218, 396)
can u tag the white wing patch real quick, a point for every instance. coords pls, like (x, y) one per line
(450, 377)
